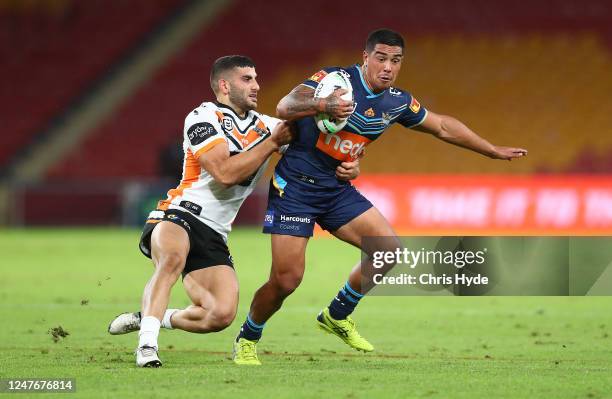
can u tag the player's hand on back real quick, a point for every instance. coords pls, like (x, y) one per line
(282, 134)
(336, 106)
(508, 153)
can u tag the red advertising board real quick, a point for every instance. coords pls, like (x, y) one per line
(492, 204)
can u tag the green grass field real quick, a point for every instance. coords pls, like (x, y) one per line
(426, 347)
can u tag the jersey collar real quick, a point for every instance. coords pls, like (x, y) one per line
(221, 105)
(371, 94)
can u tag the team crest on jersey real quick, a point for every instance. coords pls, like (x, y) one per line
(386, 118)
(414, 105)
(228, 124)
(369, 113)
(394, 92)
(318, 76)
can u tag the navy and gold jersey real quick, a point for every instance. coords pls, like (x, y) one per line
(313, 156)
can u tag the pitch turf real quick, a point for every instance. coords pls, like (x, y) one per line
(426, 347)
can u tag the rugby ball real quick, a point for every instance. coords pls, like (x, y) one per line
(327, 85)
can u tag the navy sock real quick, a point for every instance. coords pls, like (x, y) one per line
(344, 303)
(250, 330)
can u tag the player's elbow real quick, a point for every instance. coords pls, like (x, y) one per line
(225, 180)
(444, 129)
(282, 110)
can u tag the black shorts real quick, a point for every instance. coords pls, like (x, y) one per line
(207, 247)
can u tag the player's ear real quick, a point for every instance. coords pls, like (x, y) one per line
(224, 86)
(365, 58)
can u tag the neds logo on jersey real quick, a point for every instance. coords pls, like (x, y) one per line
(343, 146)
(199, 132)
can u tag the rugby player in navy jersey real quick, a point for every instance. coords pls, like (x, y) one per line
(305, 188)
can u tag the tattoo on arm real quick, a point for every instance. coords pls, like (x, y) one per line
(301, 100)
(300, 103)
(331, 104)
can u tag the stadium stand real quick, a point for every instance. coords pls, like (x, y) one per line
(540, 47)
(535, 76)
(53, 51)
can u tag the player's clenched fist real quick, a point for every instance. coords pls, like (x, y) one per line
(348, 170)
(282, 134)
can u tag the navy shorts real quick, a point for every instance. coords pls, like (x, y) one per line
(293, 210)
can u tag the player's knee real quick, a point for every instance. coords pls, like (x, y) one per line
(171, 263)
(390, 243)
(217, 319)
(286, 283)
(222, 317)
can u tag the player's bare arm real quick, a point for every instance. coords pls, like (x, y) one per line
(453, 131)
(229, 170)
(300, 103)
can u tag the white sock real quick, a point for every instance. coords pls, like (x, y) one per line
(166, 322)
(149, 331)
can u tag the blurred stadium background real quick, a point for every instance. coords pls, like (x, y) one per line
(94, 94)
(92, 103)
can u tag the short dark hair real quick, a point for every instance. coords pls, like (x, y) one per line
(226, 63)
(383, 36)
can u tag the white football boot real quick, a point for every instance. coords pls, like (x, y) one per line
(146, 356)
(125, 323)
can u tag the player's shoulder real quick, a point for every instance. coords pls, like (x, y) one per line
(398, 94)
(205, 112)
(406, 99)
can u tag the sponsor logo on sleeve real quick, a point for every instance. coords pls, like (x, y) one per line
(199, 132)
(318, 76)
(414, 105)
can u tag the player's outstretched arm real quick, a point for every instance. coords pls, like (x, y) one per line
(300, 103)
(228, 170)
(452, 131)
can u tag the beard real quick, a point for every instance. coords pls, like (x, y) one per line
(241, 100)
